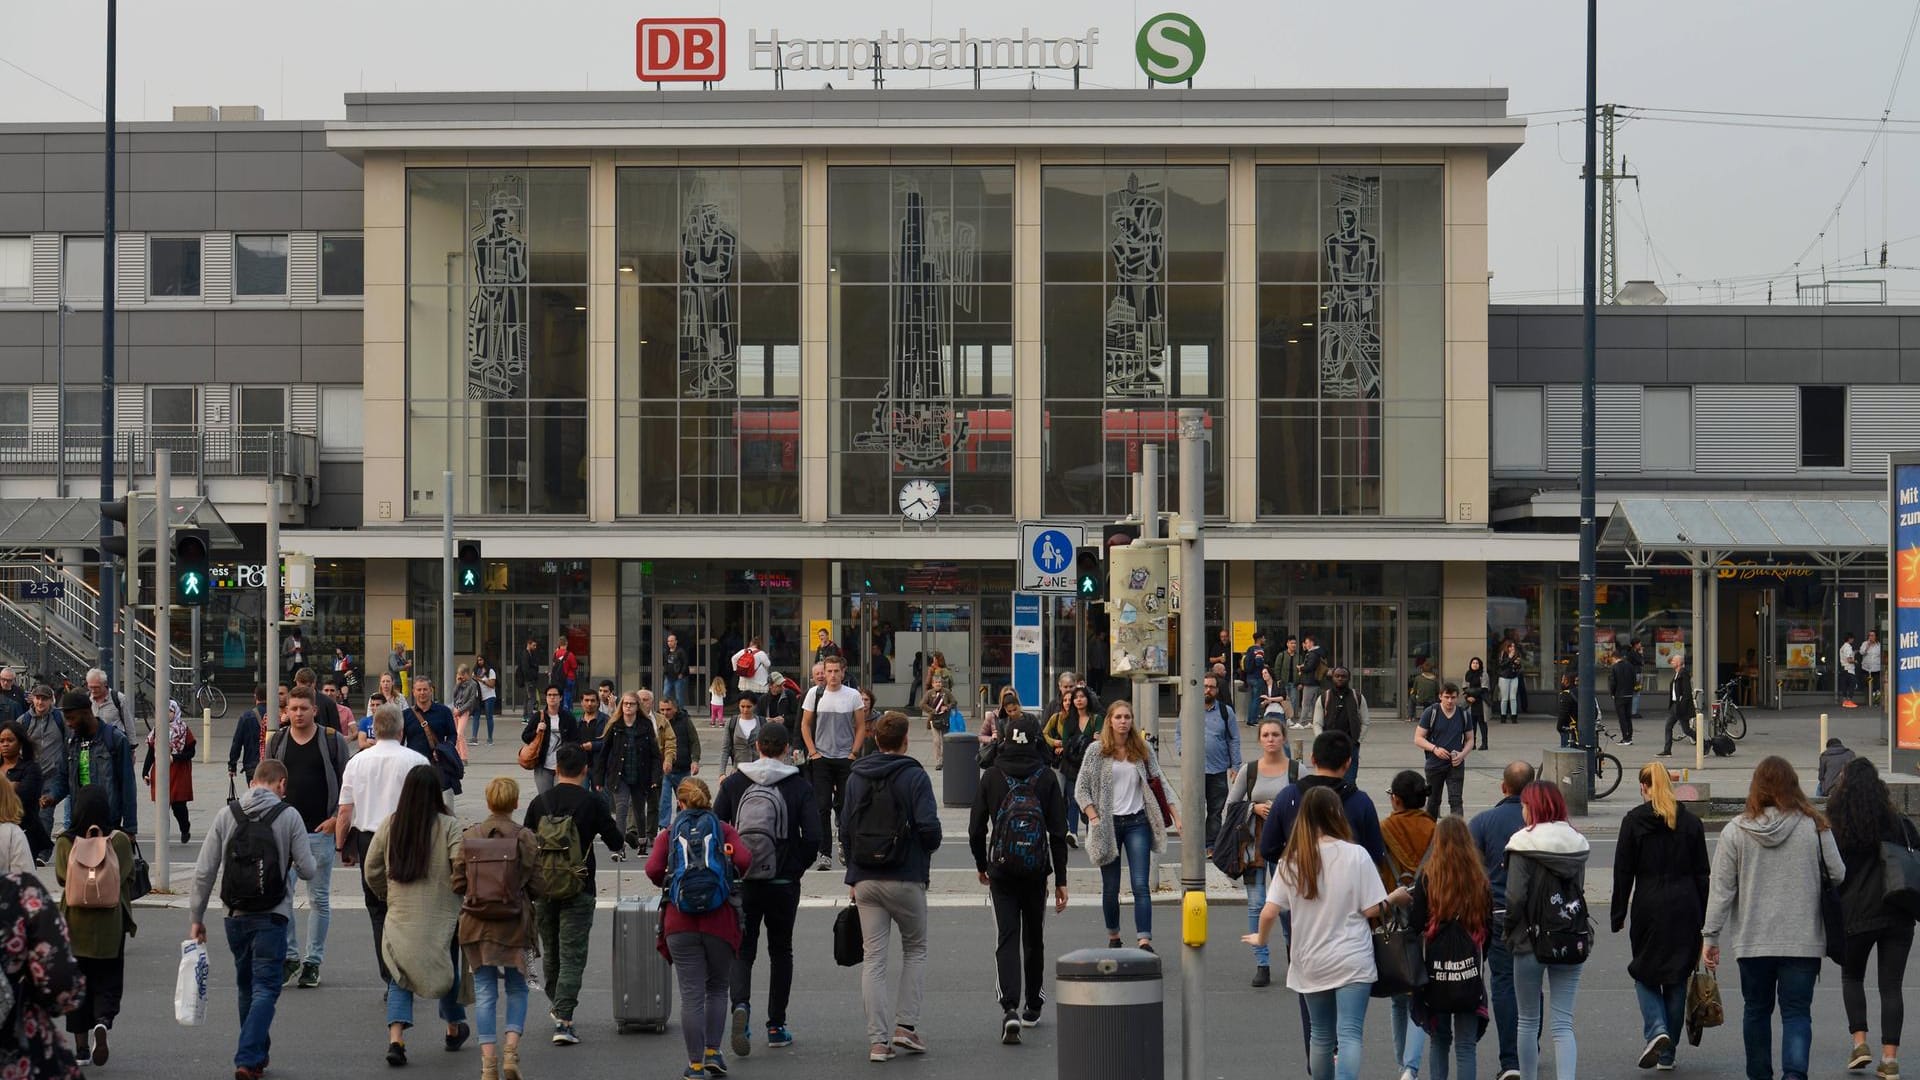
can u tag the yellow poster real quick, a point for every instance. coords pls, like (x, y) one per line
(401, 631)
(1242, 636)
(816, 627)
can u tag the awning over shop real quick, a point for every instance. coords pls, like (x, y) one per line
(42, 524)
(1830, 531)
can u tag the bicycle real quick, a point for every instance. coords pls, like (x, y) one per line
(1728, 718)
(206, 695)
(1607, 769)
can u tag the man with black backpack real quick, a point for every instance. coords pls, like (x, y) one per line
(1342, 708)
(1445, 732)
(251, 844)
(564, 820)
(889, 828)
(1019, 796)
(772, 807)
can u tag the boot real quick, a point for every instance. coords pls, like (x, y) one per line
(510, 1063)
(489, 1068)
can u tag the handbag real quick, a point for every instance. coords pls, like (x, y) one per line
(1703, 1004)
(957, 721)
(531, 753)
(1900, 877)
(1399, 956)
(1234, 849)
(1160, 796)
(140, 882)
(849, 941)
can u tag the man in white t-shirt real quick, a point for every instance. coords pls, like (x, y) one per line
(833, 720)
(369, 791)
(756, 683)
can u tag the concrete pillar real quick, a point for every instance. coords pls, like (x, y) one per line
(1028, 434)
(386, 601)
(1463, 616)
(603, 614)
(1243, 347)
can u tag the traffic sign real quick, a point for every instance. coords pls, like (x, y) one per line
(43, 590)
(1047, 557)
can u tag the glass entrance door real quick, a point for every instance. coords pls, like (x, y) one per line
(893, 630)
(1364, 635)
(710, 631)
(498, 628)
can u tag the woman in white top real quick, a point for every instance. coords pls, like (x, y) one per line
(16, 855)
(1116, 789)
(1332, 888)
(489, 680)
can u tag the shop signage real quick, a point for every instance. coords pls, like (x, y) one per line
(228, 576)
(895, 51)
(1904, 561)
(1170, 48)
(681, 50)
(769, 579)
(1750, 570)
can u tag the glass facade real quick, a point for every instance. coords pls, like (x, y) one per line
(708, 370)
(1351, 341)
(497, 340)
(1133, 328)
(920, 338)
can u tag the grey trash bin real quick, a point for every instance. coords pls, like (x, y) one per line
(1111, 1014)
(1567, 770)
(960, 773)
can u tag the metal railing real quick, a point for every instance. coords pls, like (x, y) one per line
(197, 451)
(72, 617)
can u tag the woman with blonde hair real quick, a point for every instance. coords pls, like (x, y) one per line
(496, 922)
(1119, 791)
(1660, 873)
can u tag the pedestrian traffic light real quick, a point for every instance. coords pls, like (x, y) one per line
(1087, 570)
(192, 567)
(466, 570)
(113, 544)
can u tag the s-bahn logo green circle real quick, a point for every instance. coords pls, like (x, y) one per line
(1170, 48)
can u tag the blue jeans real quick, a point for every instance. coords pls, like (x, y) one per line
(1460, 1033)
(1353, 765)
(473, 719)
(1256, 882)
(319, 902)
(1563, 984)
(1791, 978)
(1338, 1016)
(674, 687)
(400, 999)
(1134, 835)
(259, 944)
(1505, 1018)
(668, 783)
(486, 996)
(1663, 1011)
(1409, 1038)
(567, 688)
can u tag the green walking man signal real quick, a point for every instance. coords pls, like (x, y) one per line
(192, 567)
(467, 572)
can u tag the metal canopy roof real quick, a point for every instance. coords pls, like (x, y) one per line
(75, 523)
(1821, 527)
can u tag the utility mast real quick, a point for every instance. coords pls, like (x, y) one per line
(1609, 244)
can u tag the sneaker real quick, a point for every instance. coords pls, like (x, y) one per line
(563, 1033)
(1656, 1046)
(1849, 705)
(909, 1040)
(1509, 1074)
(826, 864)
(396, 1054)
(1262, 975)
(742, 1029)
(1010, 1029)
(99, 1044)
(309, 976)
(1664, 1066)
(1859, 1057)
(1626, 742)
(247, 1072)
(694, 1072)
(880, 1052)
(1073, 839)
(458, 1037)
(715, 1062)
(778, 1036)
(1887, 1070)
(292, 972)
(1409, 1074)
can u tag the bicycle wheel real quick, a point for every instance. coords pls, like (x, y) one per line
(1734, 721)
(1606, 774)
(216, 700)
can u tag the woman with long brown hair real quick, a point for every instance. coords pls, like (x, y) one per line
(1452, 905)
(1765, 899)
(1863, 819)
(410, 866)
(1660, 878)
(1332, 888)
(1407, 833)
(1117, 791)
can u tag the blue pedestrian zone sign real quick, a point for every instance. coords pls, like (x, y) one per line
(1047, 557)
(1051, 552)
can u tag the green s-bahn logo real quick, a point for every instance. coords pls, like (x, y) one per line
(1170, 48)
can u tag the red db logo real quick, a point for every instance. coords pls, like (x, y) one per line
(681, 50)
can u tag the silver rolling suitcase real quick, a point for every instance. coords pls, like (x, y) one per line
(642, 978)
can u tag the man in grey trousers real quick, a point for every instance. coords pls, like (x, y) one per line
(888, 881)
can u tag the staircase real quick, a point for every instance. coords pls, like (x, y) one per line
(70, 622)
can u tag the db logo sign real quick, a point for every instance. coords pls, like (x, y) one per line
(682, 50)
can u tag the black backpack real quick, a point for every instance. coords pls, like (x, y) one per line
(1557, 915)
(1454, 983)
(881, 831)
(253, 870)
(1021, 847)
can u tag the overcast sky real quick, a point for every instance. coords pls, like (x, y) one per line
(1725, 203)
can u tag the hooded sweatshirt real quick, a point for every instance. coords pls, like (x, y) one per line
(803, 814)
(1552, 847)
(288, 832)
(1765, 897)
(1019, 763)
(913, 793)
(1832, 760)
(1361, 817)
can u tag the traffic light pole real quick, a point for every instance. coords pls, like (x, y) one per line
(444, 684)
(274, 607)
(1193, 719)
(162, 663)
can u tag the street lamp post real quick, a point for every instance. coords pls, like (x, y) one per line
(1588, 533)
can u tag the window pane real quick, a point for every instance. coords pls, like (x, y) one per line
(171, 406)
(342, 265)
(1197, 224)
(13, 408)
(83, 409)
(259, 266)
(1286, 226)
(1519, 428)
(1823, 427)
(340, 418)
(173, 266)
(1667, 436)
(1290, 456)
(263, 406)
(16, 269)
(81, 269)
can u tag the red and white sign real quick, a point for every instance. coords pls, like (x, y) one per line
(681, 50)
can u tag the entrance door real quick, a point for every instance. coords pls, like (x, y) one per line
(521, 620)
(711, 631)
(892, 630)
(1364, 635)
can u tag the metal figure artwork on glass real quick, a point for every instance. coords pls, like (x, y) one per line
(497, 342)
(709, 331)
(935, 271)
(1350, 345)
(1135, 324)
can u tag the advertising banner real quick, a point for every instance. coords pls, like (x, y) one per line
(1903, 563)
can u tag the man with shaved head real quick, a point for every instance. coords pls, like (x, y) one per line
(1491, 829)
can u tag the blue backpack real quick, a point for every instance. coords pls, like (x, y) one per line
(699, 864)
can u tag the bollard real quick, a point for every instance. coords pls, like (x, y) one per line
(1568, 770)
(960, 776)
(206, 735)
(1111, 1015)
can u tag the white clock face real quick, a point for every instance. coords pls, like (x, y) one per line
(919, 500)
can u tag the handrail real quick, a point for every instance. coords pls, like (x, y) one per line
(78, 608)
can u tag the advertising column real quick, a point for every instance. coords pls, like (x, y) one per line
(1903, 564)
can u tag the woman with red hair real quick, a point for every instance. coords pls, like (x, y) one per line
(1546, 874)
